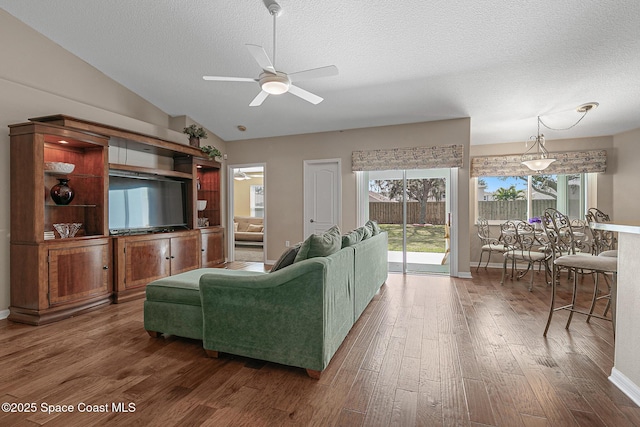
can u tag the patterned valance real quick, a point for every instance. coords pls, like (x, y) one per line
(566, 163)
(447, 156)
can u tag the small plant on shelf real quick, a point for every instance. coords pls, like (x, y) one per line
(210, 151)
(195, 133)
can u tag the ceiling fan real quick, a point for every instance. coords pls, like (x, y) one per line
(272, 81)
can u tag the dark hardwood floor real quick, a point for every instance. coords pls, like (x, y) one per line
(428, 351)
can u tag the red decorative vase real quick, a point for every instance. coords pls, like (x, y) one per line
(61, 193)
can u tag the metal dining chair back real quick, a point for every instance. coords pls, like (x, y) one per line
(524, 246)
(488, 243)
(603, 240)
(557, 228)
(563, 245)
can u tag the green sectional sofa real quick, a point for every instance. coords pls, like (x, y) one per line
(298, 315)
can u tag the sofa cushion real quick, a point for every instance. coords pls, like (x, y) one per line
(366, 233)
(178, 289)
(373, 227)
(245, 221)
(255, 228)
(245, 236)
(351, 238)
(287, 258)
(320, 244)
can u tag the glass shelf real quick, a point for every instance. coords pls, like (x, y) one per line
(71, 175)
(51, 205)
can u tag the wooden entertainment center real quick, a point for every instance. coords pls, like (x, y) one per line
(55, 278)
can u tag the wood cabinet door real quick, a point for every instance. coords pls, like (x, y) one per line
(146, 261)
(185, 253)
(212, 247)
(78, 272)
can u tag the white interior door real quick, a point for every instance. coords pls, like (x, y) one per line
(322, 195)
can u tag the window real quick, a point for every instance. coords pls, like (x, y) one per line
(256, 200)
(521, 197)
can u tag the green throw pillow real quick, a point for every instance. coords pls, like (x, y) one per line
(351, 238)
(286, 258)
(365, 231)
(320, 244)
(373, 227)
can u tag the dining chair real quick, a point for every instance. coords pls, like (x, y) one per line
(523, 245)
(489, 244)
(604, 244)
(565, 253)
(602, 240)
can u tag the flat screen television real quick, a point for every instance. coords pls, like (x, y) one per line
(140, 203)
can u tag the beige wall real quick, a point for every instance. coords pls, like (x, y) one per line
(605, 181)
(284, 158)
(241, 195)
(39, 78)
(626, 178)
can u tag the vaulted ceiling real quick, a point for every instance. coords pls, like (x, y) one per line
(501, 63)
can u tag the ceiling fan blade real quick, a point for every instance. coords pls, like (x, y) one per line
(259, 99)
(261, 57)
(314, 73)
(229, 79)
(307, 96)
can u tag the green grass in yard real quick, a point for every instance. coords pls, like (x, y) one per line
(420, 238)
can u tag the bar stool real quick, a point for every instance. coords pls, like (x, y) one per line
(563, 246)
(604, 243)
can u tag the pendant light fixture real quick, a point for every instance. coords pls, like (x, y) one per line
(539, 159)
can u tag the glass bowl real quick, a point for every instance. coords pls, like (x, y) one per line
(67, 229)
(59, 167)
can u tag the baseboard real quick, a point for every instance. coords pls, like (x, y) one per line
(4, 314)
(491, 265)
(465, 275)
(270, 261)
(625, 385)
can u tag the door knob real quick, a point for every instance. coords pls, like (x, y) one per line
(311, 220)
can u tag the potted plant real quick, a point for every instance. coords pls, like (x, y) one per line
(195, 133)
(210, 151)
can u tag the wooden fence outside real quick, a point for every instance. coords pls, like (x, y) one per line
(511, 209)
(391, 212)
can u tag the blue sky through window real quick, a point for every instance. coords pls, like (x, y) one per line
(493, 183)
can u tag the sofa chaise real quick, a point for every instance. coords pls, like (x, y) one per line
(297, 315)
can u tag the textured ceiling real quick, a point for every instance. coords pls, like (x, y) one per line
(501, 63)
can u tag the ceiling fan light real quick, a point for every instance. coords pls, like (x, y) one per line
(274, 84)
(275, 87)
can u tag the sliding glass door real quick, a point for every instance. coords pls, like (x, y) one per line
(413, 207)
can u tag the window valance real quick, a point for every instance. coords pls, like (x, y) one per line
(566, 163)
(446, 156)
